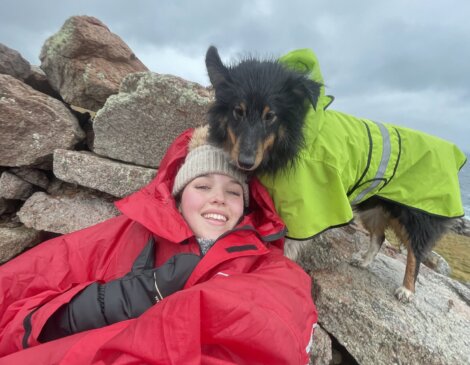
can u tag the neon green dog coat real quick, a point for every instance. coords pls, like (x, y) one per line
(347, 160)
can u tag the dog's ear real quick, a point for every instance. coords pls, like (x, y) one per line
(218, 73)
(308, 89)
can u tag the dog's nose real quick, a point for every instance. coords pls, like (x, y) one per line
(246, 162)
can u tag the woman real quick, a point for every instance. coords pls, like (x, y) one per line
(241, 301)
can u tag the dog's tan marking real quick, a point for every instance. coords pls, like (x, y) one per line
(376, 220)
(400, 231)
(266, 110)
(268, 142)
(405, 292)
(264, 115)
(239, 111)
(263, 148)
(281, 133)
(410, 271)
(232, 136)
(234, 148)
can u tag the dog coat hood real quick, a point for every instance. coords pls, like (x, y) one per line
(348, 159)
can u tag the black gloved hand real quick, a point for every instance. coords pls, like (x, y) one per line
(99, 305)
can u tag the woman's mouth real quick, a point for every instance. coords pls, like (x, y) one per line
(216, 217)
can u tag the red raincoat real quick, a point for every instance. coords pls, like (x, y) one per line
(245, 303)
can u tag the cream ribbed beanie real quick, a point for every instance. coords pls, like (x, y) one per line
(204, 160)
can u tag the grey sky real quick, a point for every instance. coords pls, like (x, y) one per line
(403, 61)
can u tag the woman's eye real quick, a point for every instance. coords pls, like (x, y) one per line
(202, 187)
(235, 193)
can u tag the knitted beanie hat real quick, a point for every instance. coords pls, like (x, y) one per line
(207, 159)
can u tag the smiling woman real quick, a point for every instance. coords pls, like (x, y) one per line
(197, 253)
(211, 193)
(212, 204)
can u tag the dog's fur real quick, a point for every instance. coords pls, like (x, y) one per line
(258, 117)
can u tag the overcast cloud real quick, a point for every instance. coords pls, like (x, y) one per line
(405, 62)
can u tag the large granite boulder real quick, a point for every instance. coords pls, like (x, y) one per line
(38, 81)
(151, 110)
(462, 226)
(85, 62)
(89, 170)
(67, 210)
(13, 187)
(33, 176)
(13, 64)
(321, 353)
(32, 124)
(357, 306)
(14, 240)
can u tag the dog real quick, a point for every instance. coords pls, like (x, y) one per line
(271, 117)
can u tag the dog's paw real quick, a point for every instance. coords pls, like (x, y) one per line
(404, 295)
(358, 260)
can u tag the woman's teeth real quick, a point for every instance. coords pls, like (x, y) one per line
(218, 217)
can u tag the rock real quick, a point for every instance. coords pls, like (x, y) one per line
(461, 226)
(15, 240)
(321, 352)
(66, 213)
(12, 187)
(150, 111)
(32, 124)
(92, 171)
(38, 81)
(13, 64)
(86, 63)
(59, 187)
(358, 308)
(437, 263)
(332, 247)
(33, 176)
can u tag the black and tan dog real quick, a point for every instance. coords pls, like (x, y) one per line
(271, 117)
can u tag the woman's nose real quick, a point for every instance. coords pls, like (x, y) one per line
(218, 196)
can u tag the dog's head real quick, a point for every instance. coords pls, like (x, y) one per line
(259, 111)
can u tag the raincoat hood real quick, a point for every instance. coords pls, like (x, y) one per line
(155, 208)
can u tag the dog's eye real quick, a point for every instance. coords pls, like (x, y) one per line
(270, 117)
(238, 113)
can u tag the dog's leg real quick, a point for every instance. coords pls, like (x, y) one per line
(375, 220)
(364, 259)
(405, 293)
(420, 232)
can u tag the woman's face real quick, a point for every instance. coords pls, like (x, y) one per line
(212, 204)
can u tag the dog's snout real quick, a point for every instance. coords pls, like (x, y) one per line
(246, 161)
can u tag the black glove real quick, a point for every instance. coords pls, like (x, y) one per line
(99, 305)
